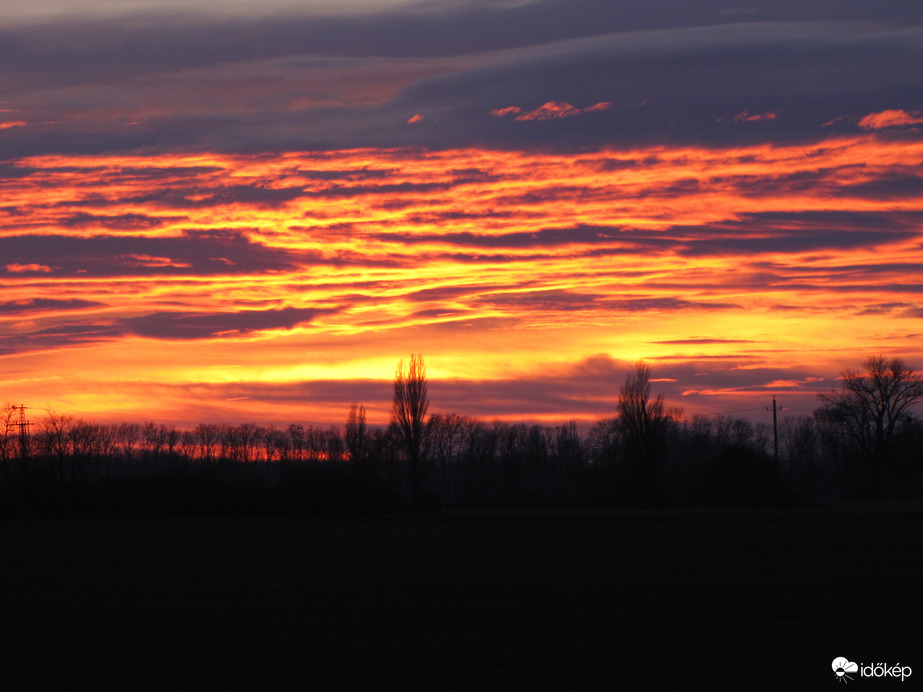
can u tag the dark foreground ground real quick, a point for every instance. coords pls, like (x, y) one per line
(627, 601)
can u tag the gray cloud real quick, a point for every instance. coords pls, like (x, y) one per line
(672, 72)
(196, 253)
(116, 222)
(693, 83)
(565, 301)
(784, 233)
(542, 299)
(591, 387)
(755, 233)
(45, 304)
(895, 186)
(588, 388)
(546, 237)
(177, 326)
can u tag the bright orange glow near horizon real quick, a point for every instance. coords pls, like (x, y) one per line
(192, 288)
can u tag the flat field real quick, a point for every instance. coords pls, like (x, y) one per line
(760, 600)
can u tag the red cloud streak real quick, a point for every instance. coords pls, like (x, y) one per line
(551, 110)
(151, 283)
(891, 118)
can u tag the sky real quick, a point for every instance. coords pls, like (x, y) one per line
(251, 211)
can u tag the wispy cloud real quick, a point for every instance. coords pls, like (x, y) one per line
(503, 112)
(747, 117)
(551, 110)
(890, 118)
(326, 266)
(31, 268)
(304, 81)
(34, 305)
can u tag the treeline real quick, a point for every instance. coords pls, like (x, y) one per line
(644, 456)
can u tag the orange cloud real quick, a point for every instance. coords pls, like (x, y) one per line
(503, 112)
(261, 276)
(415, 119)
(551, 110)
(28, 268)
(561, 109)
(14, 123)
(149, 261)
(890, 118)
(838, 119)
(746, 117)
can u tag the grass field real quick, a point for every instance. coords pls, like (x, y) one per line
(571, 601)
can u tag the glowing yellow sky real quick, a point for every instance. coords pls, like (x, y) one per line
(282, 287)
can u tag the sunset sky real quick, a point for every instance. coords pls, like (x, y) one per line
(251, 210)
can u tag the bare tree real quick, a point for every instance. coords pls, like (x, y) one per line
(870, 406)
(410, 405)
(189, 445)
(315, 443)
(333, 444)
(207, 434)
(173, 437)
(53, 440)
(80, 440)
(296, 435)
(128, 435)
(248, 436)
(446, 432)
(357, 437)
(275, 443)
(643, 426)
(638, 414)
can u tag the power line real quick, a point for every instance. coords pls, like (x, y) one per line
(23, 432)
(737, 410)
(775, 429)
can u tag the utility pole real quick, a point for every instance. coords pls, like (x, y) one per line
(23, 433)
(775, 429)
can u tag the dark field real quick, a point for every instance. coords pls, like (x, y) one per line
(736, 601)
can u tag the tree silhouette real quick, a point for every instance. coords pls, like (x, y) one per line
(869, 408)
(357, 434)
(642, 424)
(54, 441)
(408, 413)
(446, 432)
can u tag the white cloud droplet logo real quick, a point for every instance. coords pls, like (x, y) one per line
(842, 666)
